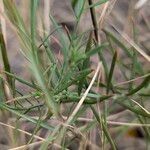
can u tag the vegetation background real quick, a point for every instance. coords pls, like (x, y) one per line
(74, 74)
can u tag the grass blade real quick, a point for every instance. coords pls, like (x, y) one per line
(8, 108)
(5, 57)
(143, 84)
(111, 71)
(104, 128)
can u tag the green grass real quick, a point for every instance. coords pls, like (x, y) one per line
(65, 90)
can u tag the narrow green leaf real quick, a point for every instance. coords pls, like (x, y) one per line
(102, 59)
(34, 4)
(85, 65)
(22, 81)
(118, 42)
(2, 92)
(42, 124)
(89, 100)
(96, 50)
(5, 57)
(111, 71)
(75, 78)
(136, 110)
(78, 7)
(64, 43)
(104, 128)
(143, 84)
